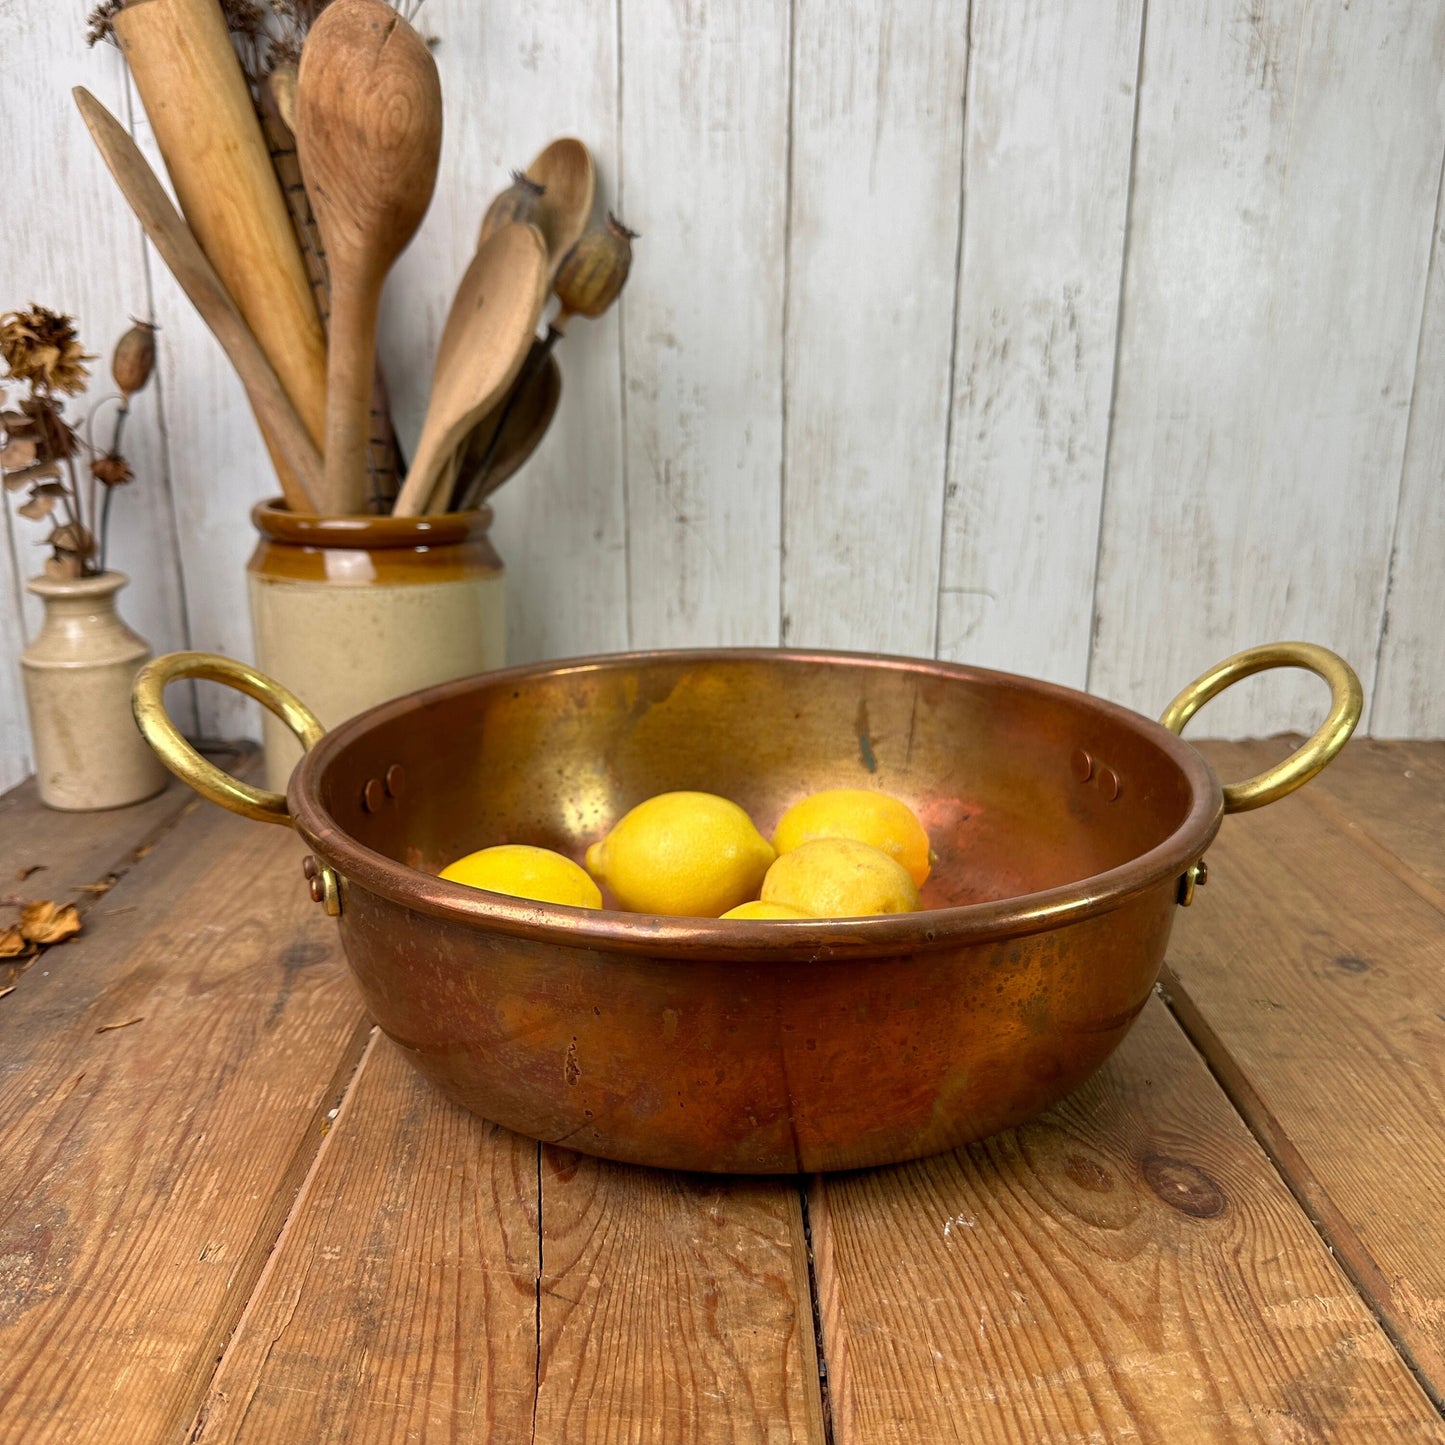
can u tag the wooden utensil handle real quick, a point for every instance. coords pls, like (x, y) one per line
(298, 462)
(350, 374)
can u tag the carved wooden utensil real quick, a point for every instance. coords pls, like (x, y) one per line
(368, 133)
(523, 418)
(298, 462)
(565, 171)
(488, 330)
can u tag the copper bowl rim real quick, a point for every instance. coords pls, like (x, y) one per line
(667, 937)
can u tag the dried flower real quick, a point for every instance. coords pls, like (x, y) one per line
(41, 347)
(100, 23)
(13, 943)
(46, 923)
(134, 358)
(111, 470)
(519, 202)
(594, 271)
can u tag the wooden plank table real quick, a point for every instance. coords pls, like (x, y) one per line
(231, 1211)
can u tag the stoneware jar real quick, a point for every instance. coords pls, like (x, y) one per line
(350, 611)
(78, 672)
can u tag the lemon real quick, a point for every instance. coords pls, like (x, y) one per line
(876, 818)
(758, 909)
(840, 878)
(690, 855)
(526, 872)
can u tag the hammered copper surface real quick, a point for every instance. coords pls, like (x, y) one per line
(747, 1046)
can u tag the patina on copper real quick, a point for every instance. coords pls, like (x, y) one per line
(754, 1046)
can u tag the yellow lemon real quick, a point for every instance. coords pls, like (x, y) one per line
(526, 872)
(758, 909)
(875, 818)
(691, 855)
(840, 878)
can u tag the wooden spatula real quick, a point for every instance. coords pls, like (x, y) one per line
(298, 464)
(492, 323)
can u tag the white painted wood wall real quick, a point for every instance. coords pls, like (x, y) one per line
(1092, 340)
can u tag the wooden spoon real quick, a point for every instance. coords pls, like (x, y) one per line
(298, 464)
(565, 170)
(523, 416)
(488, 330)
(368, 135)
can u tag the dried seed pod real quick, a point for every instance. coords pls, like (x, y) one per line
(519, 202)
(594, 271)
(112, 470)
(134, 359)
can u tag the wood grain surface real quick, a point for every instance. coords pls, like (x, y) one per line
(673, 1307)
(1052, 92)
(167, 1074)
(400, 1303)
(1127, 1267)
(1309, 972)
(1392, 794)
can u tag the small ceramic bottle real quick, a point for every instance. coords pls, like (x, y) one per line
(78, 674)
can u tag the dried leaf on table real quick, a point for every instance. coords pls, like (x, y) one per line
(13, 943)
(104, 886)
(47, 922)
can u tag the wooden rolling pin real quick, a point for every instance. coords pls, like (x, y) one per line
(200, 108)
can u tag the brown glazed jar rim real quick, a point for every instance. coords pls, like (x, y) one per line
(275, 521)
(815, 939)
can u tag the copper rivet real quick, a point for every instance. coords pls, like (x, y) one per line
(1082, 765)
(395, 780)
(309, 866)
(318, 890)
(373, 795)
(1109, 783)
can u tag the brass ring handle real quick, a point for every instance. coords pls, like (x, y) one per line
(147, 700)
(1347, 702)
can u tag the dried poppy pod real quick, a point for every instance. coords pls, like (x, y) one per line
(521, 201)
(593, 271)
(134, 358)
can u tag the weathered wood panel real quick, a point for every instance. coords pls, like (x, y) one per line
(705, 161)
(926, 298)
(1272, 296)
(86, 259)
(1127, 1267)
(874, 216)
(1409, 694)
(1051, 98)
(514, 77)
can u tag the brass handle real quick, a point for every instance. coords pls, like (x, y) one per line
(147, 701)
(1347, 702)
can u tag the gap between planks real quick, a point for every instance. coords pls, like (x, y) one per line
(336, 1103)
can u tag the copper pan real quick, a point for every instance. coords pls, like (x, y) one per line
(1067, 830)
